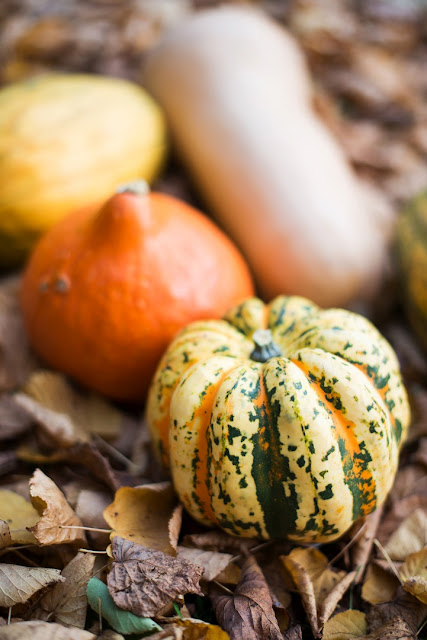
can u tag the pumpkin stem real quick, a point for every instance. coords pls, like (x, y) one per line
(136, 187)
(265, 347)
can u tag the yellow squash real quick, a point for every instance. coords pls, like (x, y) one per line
(67, 141)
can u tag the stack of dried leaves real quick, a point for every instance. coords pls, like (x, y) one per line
(92, 541)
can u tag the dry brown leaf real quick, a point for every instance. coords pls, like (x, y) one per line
(58, 427)
(329, 604)
(361, 549)
(144, 581)
(305, 588)
(18, 584)
(293, 633)
(56, 515)
(217, 540)
(414, 574)
(38, 630)
(142, 515)
(400, 510)
(404, 607)
(379, 585)
(66, 603)
(90, 506)
(16, 360)
(346, 625)
(19, 514)
(5, 535)
(14, 420)
(395, 629)
(88, 413)
(109, 634)
(410, 537)
(248, 613)
(213, 562)
(316, 565)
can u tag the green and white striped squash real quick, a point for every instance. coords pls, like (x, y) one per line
(293, 446)
(411, 245)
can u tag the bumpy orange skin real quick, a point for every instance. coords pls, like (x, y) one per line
(106, 289)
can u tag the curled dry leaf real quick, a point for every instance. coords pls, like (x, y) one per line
(248, 613)
(399, 511)
(18, 584)
(396, 629)
(144, 581)
(143, 515)
(58, 427)
(305, 588)
(414, 574)
(56, 515)
(361, 549)
(410, 536)
(347, 625)
(20, 515)
(66, 603)
(16, 361)
(38, 630)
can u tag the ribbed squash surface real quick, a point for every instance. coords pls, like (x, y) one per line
(297, 447)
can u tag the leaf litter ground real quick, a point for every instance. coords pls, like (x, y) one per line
(85, 515)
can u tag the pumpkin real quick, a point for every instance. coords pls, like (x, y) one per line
(411, 254)
(242, 121)
(67, 141)
(107, 288)
(281, 420)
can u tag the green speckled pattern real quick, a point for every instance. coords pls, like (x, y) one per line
(298, 447)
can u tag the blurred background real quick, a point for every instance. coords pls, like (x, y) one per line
(368, 59)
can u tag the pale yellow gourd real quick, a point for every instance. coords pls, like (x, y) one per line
(66, 141)
(237, 95)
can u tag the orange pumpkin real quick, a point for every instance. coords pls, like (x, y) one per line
(107, 288)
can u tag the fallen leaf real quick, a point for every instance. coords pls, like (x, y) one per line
(403, 607)
(293, 633)
(410, 537)
(88, 413)
(5, 535)
(17, 362)
(109, 634)
(18, 584)
(248, 613)
(67, 602)
(213, 562)
(400, 509)
(346, 626)
(414, 575)
(315, 581)
(379, 585)
(125, 622)
(329, 604)
(395, 629)
(90, 506)
(142, 515)
(305, 588)
(14, 420)
(316, 564)
(56, 515)
(361, 549)
(38, 630)
(19, 514)
(58, 427)
(217, 540)
(144, 581)
(193, 629)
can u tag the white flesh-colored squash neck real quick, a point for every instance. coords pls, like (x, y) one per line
(236, 92)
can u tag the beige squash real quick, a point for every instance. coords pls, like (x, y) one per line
(237, 94)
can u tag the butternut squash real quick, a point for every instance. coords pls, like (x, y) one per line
(237, 95)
